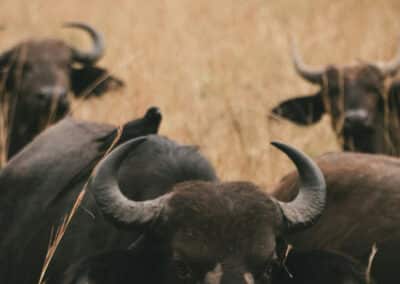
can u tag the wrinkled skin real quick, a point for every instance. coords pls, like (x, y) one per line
(37, 77)
(362, 103)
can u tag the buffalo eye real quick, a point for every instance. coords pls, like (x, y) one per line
(183, 270)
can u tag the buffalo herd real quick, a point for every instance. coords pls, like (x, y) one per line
(90, 203)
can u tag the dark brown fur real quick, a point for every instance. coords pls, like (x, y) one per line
(216, 214)
(362, 209)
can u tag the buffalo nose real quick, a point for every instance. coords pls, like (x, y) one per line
(356, 118)
(50, 94)
(56, 96)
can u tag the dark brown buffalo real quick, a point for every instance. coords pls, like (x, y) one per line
(196, 228)
(361, 100)
(36, 77)
(192, 227)
(363, 208)
(201, 230)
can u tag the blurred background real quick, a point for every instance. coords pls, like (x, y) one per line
(215, 68)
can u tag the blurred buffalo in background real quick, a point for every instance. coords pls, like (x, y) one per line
(36, 77)
(361, 99)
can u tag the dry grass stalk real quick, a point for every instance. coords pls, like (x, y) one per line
(374, 251)
(59, 233)
(194, 56)
(7, 109)
(287, 252)
(237, 129)
(3, 133)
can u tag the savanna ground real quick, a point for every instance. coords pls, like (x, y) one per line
(216, 68)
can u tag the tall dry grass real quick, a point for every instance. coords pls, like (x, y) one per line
(215, 68)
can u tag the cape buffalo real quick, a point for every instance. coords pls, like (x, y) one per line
(155, 212)
(361, 99)
(36, 77)
(363, 205)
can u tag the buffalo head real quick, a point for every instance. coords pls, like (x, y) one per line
(203, 231)
(355, 97)
(36, 77)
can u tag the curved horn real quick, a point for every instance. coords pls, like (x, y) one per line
(108, 195)
(391, 67)
(312, 75)
(97, 51)
(305, 209)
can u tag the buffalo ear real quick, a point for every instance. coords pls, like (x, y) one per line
(303, 110)
(88, 81)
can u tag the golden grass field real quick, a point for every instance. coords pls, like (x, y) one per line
(216, 68)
